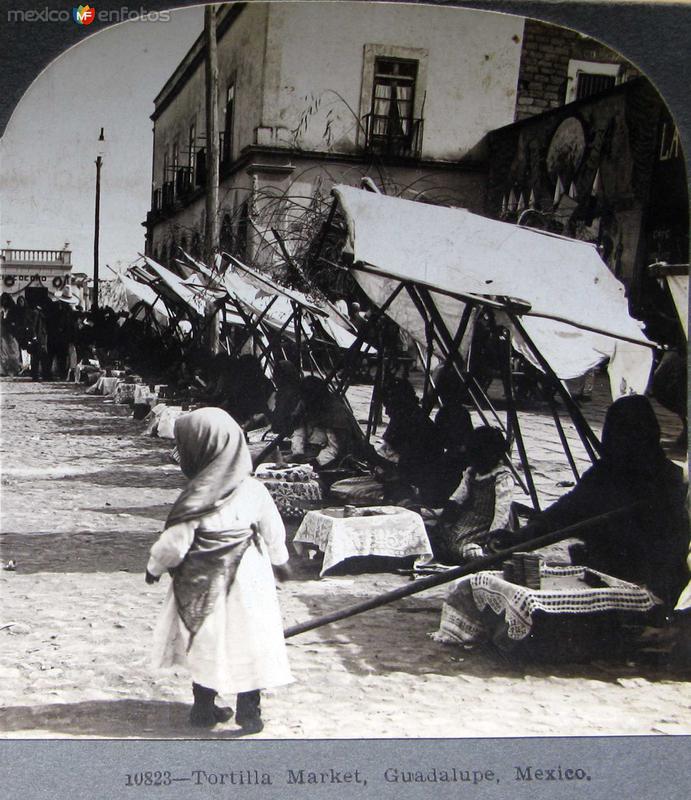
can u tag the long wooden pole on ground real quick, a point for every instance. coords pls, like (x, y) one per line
(478, 564)
(212, 166)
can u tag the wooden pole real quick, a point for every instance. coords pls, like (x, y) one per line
(513, 423)
(588, 438)
(97, 229)
(212, 166)
(478, 564)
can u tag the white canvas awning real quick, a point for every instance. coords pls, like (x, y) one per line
(679, 288)
(172, 283)
(137, 293)
(578, 313)
(276, 303)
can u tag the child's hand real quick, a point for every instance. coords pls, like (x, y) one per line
(283, 572)
(152, 578)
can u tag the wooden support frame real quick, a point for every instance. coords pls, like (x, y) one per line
(590, 441)
(445, 341)
(448, 345)
(513, 423)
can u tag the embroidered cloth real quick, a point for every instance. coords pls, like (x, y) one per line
(563, 592)
(379, 531)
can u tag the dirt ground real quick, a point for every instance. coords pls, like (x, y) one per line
(84, 494)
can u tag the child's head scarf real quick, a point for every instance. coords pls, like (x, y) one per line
(215, 459)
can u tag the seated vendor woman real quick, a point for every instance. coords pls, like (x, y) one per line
(283, 403)
(219, 377)
(412, 452)
(454, 426)
(248, 394)
(325, 433)
(647, 546)
(481, 503)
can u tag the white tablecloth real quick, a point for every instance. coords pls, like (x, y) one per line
(144, 396)
(103, 385)
(124, 392)
(161, 421)
(460, 618)
(395, 533)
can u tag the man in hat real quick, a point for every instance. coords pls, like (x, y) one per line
(60, 323)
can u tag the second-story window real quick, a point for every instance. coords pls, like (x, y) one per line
(589, 83)
(393, 96)
(586, 78)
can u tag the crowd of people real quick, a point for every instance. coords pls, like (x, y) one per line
(47, 336)
(224, 535)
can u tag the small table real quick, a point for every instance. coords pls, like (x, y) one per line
(388, 531)
(564, 591)
(103, 385)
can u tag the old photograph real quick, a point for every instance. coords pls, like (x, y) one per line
(344, 382)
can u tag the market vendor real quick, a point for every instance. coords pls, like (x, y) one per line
(413, 448)
(481, 503)
(647, 546)
(248, 393)
(409, 463)
(325, 434)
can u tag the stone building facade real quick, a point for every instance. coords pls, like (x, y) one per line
(606, 169)
(316, 93)
(559, 65)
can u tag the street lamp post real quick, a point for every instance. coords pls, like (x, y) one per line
(97, 218)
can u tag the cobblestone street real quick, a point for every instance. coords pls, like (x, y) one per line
(84, 494)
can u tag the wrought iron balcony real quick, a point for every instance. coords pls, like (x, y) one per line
(183, 181)
(168, 196)
(388, 137)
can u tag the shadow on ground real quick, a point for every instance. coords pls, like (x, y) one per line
(356, 646)
(129, 477)
(78, 551)
(114, 719)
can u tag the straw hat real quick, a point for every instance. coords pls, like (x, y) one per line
(67, 297)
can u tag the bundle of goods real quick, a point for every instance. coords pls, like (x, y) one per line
(524, 570)
(293, 487)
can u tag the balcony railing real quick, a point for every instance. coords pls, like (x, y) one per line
(180, 182)
(62, 258)
(168, 196)
(183, 181)
(401, 138)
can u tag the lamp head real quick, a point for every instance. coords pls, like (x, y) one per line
(101, 145)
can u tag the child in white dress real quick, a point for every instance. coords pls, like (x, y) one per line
(221, 617)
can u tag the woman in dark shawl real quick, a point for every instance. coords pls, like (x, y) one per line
(326, 432)
(647, 546)
(223, 534)
(286, 397)
(455, 428)
(413, 442)
(10, 355)
(249, 392)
